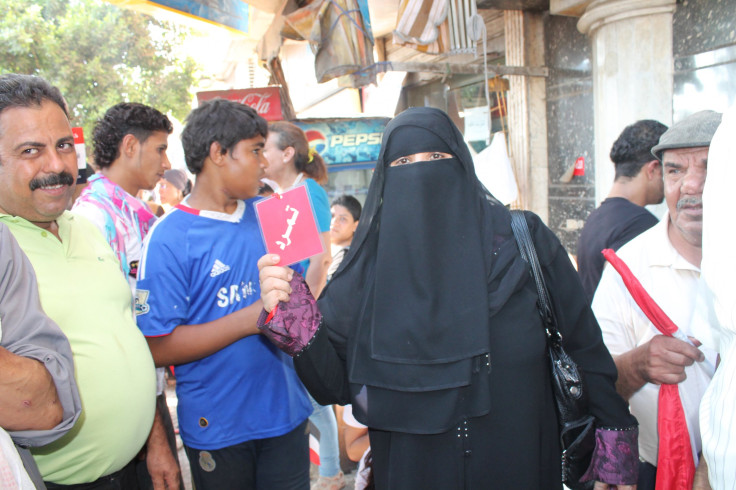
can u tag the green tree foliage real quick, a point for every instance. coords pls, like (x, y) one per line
(97, 54)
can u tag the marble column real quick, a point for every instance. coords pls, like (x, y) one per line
(527, 113)
(632, 71)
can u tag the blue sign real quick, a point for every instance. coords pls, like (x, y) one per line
(231, 13)
(345, 143)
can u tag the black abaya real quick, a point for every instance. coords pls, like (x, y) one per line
(515, 445)
(451, 404)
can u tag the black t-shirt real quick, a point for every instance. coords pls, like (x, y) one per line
(615, 222)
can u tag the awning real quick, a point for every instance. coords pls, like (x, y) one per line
(340, 34)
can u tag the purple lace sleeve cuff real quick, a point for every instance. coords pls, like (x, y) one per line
(615, 458)
(295, 323)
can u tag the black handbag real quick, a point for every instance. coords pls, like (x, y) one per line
(577, 426)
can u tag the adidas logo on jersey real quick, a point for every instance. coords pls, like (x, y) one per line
(218, 268)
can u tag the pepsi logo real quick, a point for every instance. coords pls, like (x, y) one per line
(317, 140)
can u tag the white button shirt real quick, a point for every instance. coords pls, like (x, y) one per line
(673, 283)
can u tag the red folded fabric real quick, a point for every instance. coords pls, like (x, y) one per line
(675, 464)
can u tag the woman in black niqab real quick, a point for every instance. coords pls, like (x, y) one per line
(430, 329)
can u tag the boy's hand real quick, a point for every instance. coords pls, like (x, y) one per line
(274, 281)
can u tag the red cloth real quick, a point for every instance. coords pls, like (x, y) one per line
(675, 464)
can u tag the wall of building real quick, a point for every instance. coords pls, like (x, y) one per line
(569, 127)
(703, 25)
(704, 49)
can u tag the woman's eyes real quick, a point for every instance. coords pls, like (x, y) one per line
(400, 161)
(419, 157)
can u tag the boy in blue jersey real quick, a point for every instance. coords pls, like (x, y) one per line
(242, 410)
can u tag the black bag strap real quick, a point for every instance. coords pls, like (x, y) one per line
(526, 246)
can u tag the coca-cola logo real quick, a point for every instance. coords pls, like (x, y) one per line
(258, 101)
(266, 101)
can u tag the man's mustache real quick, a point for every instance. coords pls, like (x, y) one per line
(62, 178)
(689, 201)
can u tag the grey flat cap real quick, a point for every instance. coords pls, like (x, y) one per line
(693, 131)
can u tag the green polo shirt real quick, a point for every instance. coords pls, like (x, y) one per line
(81, 288)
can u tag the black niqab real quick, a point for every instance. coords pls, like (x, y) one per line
(430, 274)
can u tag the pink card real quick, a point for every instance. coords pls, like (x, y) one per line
(288, 225)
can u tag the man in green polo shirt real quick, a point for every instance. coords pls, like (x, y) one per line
(81, 288)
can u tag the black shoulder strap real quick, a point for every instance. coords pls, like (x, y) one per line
(529, 254)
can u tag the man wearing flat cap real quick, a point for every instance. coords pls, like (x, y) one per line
(666, 260)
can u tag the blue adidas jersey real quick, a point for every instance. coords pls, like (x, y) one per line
(198, 267)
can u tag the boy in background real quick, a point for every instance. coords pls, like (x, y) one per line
(345, 212)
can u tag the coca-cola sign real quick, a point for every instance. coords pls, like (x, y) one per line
(266, 100)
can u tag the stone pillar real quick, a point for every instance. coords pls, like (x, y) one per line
(632, 71)
(527, 111)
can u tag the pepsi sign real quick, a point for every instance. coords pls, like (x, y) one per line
(345, 142)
